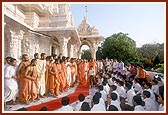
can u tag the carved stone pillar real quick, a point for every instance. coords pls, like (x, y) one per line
(63, 46)
(12, 41)
(30, 44)
(13, 45)
(26, 44)
(71, 51)
(95, 48)
(20, 38)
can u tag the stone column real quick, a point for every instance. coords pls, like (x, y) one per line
(26, 44)
(63, 46)
(94, 50)
(20, 38)
(12, 41)
(71, 51)
(30, 44)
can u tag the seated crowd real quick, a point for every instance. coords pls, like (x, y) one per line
(116, 87)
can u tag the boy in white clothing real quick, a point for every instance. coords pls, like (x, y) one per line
(65, 105)
(91, 74)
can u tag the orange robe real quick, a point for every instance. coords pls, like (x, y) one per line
(60, 76)
(142, 73)
(73, 73)
(65, 76)
(48, 65)
(80, 67)
(84, 74)
(30, 86)
(63, 80)
(53, 79)
(92, 63)
(21, 82)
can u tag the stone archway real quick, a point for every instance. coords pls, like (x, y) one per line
(89, 44)
(90, 36)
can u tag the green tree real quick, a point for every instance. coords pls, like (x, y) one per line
(99, 53)
(156, 61)
(120, 46)
(153, 52)
(86, 54)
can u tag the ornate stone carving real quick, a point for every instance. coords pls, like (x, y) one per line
(85, 29)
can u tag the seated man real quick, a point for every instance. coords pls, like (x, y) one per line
(65, 105)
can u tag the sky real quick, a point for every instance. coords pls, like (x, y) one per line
(144, 22)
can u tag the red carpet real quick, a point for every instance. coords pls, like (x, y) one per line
(55, 104)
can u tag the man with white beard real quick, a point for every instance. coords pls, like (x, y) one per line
(10, 83)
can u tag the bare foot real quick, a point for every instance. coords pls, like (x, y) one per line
(27, 102)
(42, 96)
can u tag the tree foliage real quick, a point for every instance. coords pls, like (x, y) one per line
(153, 52)
(120, 46)
(99, 53)
(86, 54)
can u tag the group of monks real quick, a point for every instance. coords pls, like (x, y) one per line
(50, 75)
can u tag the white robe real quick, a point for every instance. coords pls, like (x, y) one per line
(121, 91)
(106, 88)
(102, 101)
(152, 94)
(69, 80)
(137, 88)
(104, 95)
(41, 68)
(161, 107)
(10, 84)
(130, 95)
(66, 108)
(155, 89)
(110, 82)
(121, 67)
(139, 108)
(98, 107)
(115, 66)
(117, 104)
(78, 106)
(150, 105)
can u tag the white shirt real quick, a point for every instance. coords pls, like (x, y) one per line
(137, 88)
(155, 89)
(98, 107)
(150, 105)
(139, 108)
(130, 95)
(106, 89)
(118, 96)
(110, 82)
(116, 103)
(65, 108)
(152, 94)
(6, 65)
(121, 91)
(121, 67)
(104, 95)
(161, 107)
(115, 66)
(10, 84)
(78, 106)
(91, 72)
(102, 101)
